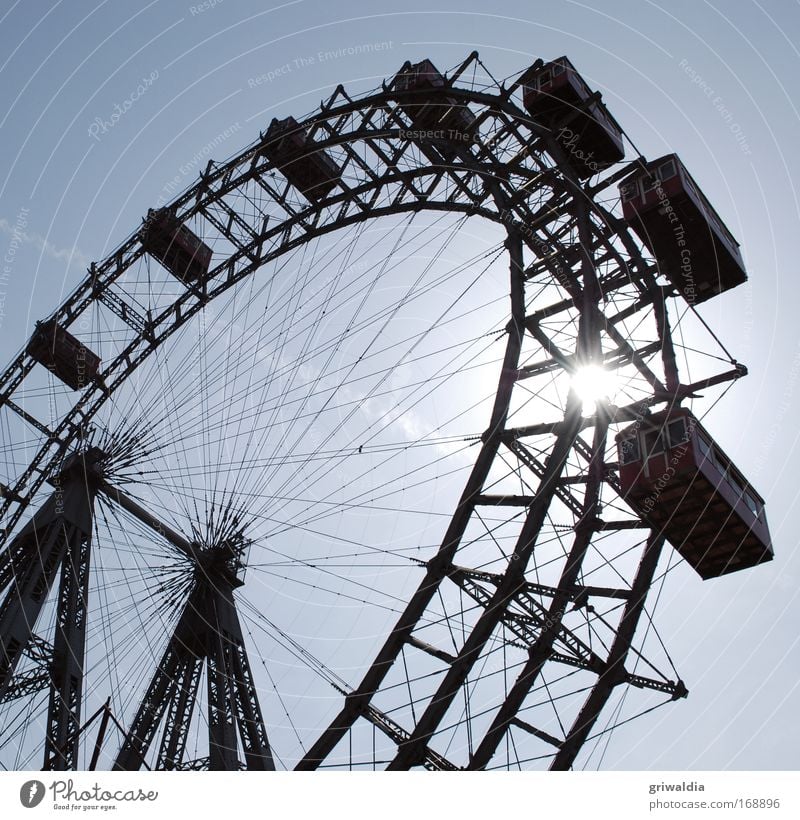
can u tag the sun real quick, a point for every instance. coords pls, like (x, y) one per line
(592, 383)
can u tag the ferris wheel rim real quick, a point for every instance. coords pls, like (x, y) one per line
(87, 292)
(95, 393)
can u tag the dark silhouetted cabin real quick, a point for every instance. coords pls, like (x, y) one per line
(681, 482)
(63, 355)
(179, 250)
(420, 86)
(673, 218)
(309, 170)
(557, 96)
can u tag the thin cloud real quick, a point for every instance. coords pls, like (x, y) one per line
(72, 256)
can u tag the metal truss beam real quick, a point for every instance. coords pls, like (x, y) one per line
(432, 760)
(147, 518)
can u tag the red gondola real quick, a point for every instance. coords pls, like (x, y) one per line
(63, 355)
(312, 172)
(673, 218)
(444, 117)
(558, 97)
(681, 482)
(179, 250)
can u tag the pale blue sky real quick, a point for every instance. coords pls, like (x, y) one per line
(714, 82)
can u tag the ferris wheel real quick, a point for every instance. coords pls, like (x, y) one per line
(375, 448)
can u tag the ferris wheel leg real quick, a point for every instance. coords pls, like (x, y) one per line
(58, 535)
(209, 632)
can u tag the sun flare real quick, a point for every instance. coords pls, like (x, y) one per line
(592, 383)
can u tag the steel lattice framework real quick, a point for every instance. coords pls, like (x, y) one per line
(581, 292)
